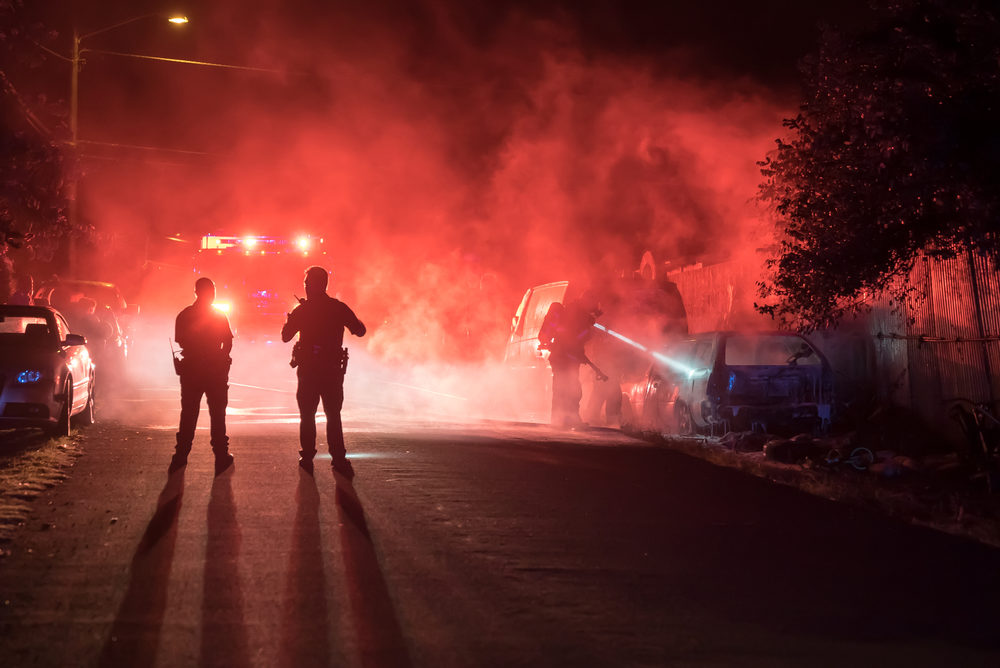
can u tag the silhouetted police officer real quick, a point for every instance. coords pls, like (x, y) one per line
(206, 340)
(321, 362)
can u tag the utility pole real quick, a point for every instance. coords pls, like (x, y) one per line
(71, 213)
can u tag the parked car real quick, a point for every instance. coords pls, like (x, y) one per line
(60, 292)
(46, 372)
(732, 381)
(109, 341)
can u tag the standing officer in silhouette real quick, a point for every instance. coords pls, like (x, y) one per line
(321, 362)
(206, 340)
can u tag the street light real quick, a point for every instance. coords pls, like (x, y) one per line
(74, 91)
(76, 62)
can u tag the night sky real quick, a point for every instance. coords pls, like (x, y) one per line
(435, 42)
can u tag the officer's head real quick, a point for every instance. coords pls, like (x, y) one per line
(204, 289)
(316, 281)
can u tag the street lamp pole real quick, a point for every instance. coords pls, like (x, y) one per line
(74, 111)
(74, 92)
(74, 88)
(71, 211)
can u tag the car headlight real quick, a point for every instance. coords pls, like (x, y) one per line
(29, 376)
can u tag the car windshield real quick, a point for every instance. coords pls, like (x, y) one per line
(23, 328)
(761, 350)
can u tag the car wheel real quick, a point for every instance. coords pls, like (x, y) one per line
(62, 426)
(685, 423)
(87, 416)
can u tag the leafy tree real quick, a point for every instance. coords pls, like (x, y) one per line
(895, 153)
(33, 162)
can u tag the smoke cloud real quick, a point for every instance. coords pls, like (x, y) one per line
(448, 160)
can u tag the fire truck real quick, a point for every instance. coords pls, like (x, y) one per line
(258, 278)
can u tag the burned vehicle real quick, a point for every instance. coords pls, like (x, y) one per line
(46, 373)
(716, 382)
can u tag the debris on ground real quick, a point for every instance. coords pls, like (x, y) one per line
(938, 490)
(30, 463)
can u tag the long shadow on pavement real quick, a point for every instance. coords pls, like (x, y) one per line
(223, 629)
(305, 616)
(135, 635)
(380, 636)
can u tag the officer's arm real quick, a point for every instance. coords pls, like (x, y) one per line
(355, 326)
(289, 329)
(227, 338)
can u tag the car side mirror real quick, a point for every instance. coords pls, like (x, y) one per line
(75, 340)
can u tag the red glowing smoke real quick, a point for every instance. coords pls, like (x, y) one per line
(446, 178)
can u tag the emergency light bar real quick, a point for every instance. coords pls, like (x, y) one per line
(262, 245)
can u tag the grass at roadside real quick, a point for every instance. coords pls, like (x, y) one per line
(29, 464)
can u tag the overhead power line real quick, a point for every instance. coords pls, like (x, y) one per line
(137, 147)
(29, 115)
(190, 62)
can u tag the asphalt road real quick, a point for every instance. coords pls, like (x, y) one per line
(470, 545)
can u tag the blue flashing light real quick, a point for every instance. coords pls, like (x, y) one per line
(732, 380)
(29, 376)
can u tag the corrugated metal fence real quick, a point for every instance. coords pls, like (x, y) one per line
(951, 335)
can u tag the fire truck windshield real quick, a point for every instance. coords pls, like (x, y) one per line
(257, 277)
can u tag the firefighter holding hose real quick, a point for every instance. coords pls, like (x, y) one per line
(564, 332)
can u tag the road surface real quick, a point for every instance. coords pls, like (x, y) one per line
(481, 544)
